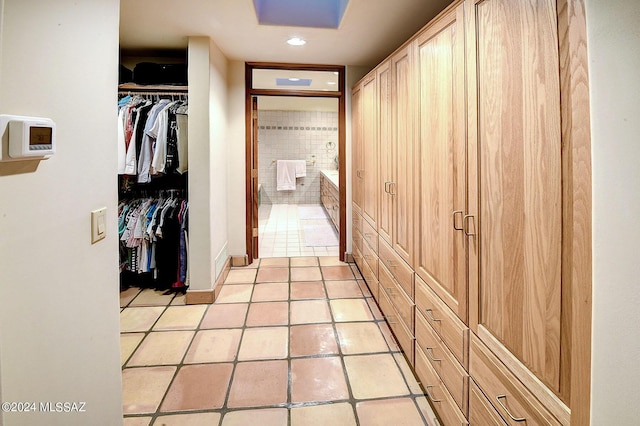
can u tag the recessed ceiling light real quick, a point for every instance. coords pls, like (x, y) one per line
(332, 82)
(296, 41)
(294, 79)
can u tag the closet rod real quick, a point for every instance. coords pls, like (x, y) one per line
(135, 92)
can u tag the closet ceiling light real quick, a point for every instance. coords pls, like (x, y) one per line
(296, 41)
(332, 82)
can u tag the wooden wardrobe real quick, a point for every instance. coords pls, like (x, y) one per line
(472, 208)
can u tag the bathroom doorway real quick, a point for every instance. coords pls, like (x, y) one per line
(295, 114)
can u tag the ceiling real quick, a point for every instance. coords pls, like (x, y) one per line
(370, 30)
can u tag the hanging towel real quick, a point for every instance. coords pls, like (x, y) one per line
(286, 175)
(301, 168)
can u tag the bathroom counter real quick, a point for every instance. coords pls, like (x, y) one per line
(332, 176)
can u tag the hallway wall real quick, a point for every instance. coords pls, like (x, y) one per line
(59, 315)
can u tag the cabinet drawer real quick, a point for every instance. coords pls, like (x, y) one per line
(441, 400)
(371, 258)
(404, 336)
(366, 272)
(357, 241)
(398, 268)
(506, 393)
(481, 412)
(442, 360)
(448, 326)
(370, 235)
(397, 296)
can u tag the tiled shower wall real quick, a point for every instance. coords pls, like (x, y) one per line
(296, 135)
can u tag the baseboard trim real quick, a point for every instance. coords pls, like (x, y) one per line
(207, 297)
(240, 260)
(348, 258)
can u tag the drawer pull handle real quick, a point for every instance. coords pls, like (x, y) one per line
(460, 212)
(429, 352)
(429, 314)
(390, 263)
(390, 291)
(515, 419)
(431, 396)
(390, 319)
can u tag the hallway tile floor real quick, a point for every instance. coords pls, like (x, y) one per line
(289, 342)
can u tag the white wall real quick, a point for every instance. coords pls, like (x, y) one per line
(59, 304)
(614, 64)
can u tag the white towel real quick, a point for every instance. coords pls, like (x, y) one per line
(286, 175)
(301, 168)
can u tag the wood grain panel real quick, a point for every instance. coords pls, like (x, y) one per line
(356, 148)
(519, 144)
(369, 151)
(403, 232)
(481, 411)
(440, 252)
(387, 159)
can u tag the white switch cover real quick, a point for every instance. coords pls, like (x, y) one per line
(98, 225)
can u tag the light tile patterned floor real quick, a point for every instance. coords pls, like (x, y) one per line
(281, 232)
(289, 342)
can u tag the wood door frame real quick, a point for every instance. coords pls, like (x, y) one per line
(249, 147)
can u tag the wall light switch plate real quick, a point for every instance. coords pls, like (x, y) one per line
(98, 225)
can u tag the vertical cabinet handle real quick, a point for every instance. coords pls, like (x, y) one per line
(386, 187)
(460, 212)
(392, 185)
(515, 419)
(466, 221)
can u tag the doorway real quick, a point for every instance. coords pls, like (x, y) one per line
(303, 121)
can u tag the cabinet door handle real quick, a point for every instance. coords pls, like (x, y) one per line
(465, 221)
(386, 187)
(429, 314)
(515, 419)
(431, 396)
(460, 212)
(392, 184)
(429, 352)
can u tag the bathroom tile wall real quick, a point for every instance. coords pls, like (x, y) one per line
(296, 135)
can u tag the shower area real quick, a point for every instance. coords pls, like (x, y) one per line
(297, 176)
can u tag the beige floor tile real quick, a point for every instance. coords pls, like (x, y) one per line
(337, 273)
(304, 261)
(310, 273)
(268, 313)
(214, 346)
(343, 289)
(375, 376)
(179, 300)
(128, 344)
(235, 293)
(330, 261)
(240, 276)
(264, 417)
(264, 343)
(318, 379)
(128, 295)
(162, 348)
(137, 421)
(307, 290)
(375, 310)
(225, 315)
(323, 415)
(143, 388)
(409, 377)
(181, 317)
(347, 310)
(198, 387)
(427, 411)
(356, 271)
(360, 338)
(310, 311)
(274, 262)
(270, 292)
(388, 336)
(151, 297)
(312, 339)
(139, 319)
(273, 275)
(401, 411)
(258, 384)
(366, 291)
(195, 419)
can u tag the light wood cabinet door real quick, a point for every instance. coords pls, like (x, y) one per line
(356, 148)
(369, 151)
(441, 160)
(516, 242)
(402, 187)
(387, 159)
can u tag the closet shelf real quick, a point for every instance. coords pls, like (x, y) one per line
(154, 87)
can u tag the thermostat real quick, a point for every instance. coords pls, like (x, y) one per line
(29, 137)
